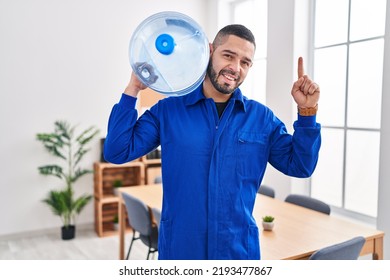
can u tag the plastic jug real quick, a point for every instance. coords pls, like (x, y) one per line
(169, 53)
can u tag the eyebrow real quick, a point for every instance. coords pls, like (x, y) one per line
(247, 59)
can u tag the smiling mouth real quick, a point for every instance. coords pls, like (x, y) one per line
(229, 77)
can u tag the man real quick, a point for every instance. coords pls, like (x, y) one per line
(215, 146)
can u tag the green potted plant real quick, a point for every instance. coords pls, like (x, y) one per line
(115, 185)
(268, 222)
(66, 146)
(115, 220)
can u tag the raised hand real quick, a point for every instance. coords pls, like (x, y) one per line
(134, 86)
(305, 92)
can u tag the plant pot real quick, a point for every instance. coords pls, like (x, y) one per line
(115, 191)
(68, 232)
(268, 226)
(116, 226)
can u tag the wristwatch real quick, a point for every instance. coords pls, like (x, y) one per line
(311, 111)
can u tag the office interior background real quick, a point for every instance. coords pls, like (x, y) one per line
(68, 60)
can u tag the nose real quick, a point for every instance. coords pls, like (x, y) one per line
(235, 65)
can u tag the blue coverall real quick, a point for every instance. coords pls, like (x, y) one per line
(211, 167)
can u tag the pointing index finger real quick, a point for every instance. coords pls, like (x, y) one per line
(301, 71)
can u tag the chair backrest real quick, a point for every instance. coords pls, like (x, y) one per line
(158, 179)
(347, 250)
(138, 214)
(157, 216)
(266, 190)
(308, 202)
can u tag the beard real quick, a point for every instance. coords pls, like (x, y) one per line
(222, 88)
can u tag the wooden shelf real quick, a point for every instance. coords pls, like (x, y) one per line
(130, 174)
(152, 169)
(156, 161)
(106, 202)
(139, 172)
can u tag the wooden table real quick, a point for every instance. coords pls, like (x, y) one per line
(298, 231)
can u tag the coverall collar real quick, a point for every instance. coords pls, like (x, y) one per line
(197, 95)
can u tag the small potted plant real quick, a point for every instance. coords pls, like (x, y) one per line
(115, 185)
(116, 222)
(268, 222)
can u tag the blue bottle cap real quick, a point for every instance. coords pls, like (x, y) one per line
(165, 44)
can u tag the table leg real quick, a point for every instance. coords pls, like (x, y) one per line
(122, 229)
(378, 249)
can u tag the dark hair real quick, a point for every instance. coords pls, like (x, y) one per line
(236, 30)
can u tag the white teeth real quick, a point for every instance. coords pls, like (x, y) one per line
(231, 78)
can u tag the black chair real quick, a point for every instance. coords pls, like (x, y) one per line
(266, 190)
(140, 220)
(308, 202)
(347, 250)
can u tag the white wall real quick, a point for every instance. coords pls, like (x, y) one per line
(63, 60)
(287, 40)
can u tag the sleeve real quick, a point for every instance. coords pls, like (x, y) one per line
(296, 155)
(129, 138)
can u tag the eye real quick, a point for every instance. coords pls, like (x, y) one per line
(245, 64)
(228, 56)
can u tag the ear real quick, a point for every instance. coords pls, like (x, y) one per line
(211, 48)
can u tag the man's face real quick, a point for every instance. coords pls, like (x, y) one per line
(229, 63)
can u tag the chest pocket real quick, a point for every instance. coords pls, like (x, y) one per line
(252, 153)
(252, 137)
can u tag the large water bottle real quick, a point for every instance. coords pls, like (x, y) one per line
(169, 53)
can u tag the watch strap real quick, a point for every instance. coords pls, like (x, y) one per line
(310, 111)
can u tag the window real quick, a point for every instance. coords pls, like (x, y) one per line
(348, 65)
(253, 14)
